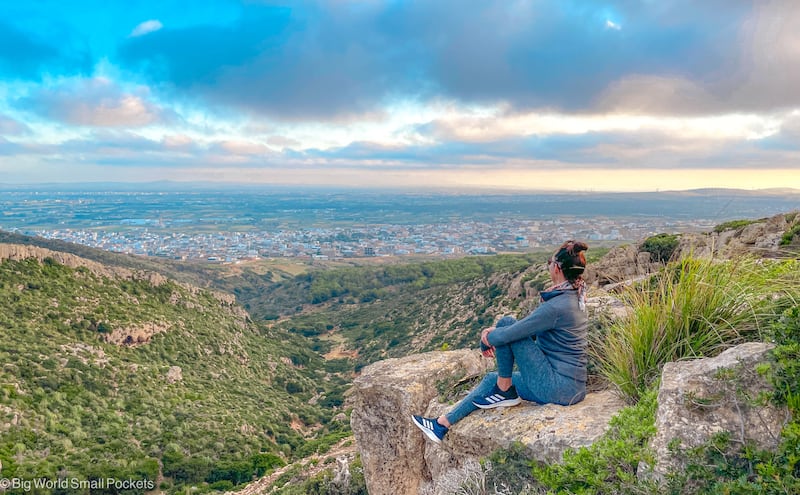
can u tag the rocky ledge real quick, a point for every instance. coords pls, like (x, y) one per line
(397, 458)
(697, 399)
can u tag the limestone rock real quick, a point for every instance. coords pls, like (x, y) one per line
(174, 374)
(606, 307)
(546, 431)
(384, 397)
(761, 238)
(135, 335)
(398, 459)
(628, 262)
(702, 397)
(621, 263)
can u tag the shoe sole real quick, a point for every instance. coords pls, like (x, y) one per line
(428, 433)
(502, 403)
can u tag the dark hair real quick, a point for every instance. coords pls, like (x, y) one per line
(571, 259)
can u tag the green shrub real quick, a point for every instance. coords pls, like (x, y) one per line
(733, 225)
(691, 308)
(221, 485)
(789, 235)
(661, 246)
(609, 465)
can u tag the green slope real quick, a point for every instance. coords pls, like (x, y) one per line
(74, 405)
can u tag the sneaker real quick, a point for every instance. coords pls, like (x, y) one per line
(430, 427)
(498, 398)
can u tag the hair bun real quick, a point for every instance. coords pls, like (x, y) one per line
(575, 247)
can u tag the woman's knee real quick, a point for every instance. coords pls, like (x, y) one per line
(505, 321)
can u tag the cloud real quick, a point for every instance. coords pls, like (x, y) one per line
(7, 148)
(11, 127)
(179, 142)
(241, 147)
(94, 102)
(146, 27)
(787, 136)
(648, 95)
(329, 60)
(24, 55)
(765, 78)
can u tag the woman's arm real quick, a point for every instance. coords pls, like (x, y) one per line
(541, 320)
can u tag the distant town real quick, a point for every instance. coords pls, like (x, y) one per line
(231, 225)
(450, 239)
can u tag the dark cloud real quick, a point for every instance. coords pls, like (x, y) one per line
(333, 60)
(307, 62)
(26, 56)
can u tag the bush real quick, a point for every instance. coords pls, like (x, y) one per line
(789, 235)
(661, 246)
(692, 308)
(609, 465)
(733, 225)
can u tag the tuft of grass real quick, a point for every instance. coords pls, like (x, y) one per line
(691, 308)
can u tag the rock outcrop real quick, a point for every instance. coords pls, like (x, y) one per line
(622, 263)
(384, 397)
(629, 262)
(398, 459)
(760, 238)
(700, 398)
(545, 431)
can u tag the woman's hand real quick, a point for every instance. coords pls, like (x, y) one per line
(488, 349)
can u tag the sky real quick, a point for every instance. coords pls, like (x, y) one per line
(599, 95)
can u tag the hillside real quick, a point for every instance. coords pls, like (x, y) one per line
(133, 376)
(111, 369)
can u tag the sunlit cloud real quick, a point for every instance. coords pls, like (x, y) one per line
(92, 102)
(146, 27)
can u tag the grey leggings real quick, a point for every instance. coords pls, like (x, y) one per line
(536, 381)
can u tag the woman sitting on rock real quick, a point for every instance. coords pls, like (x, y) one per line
(549, 347)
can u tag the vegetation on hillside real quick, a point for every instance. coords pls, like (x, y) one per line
(734, 225)
(210, 401)
(365, 314)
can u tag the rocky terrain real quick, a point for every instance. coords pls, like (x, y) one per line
(696, 400)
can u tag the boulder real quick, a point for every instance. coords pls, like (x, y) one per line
(545, 431)
(384, 397)
(700, 398)
(621, 263)
(396, 456)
